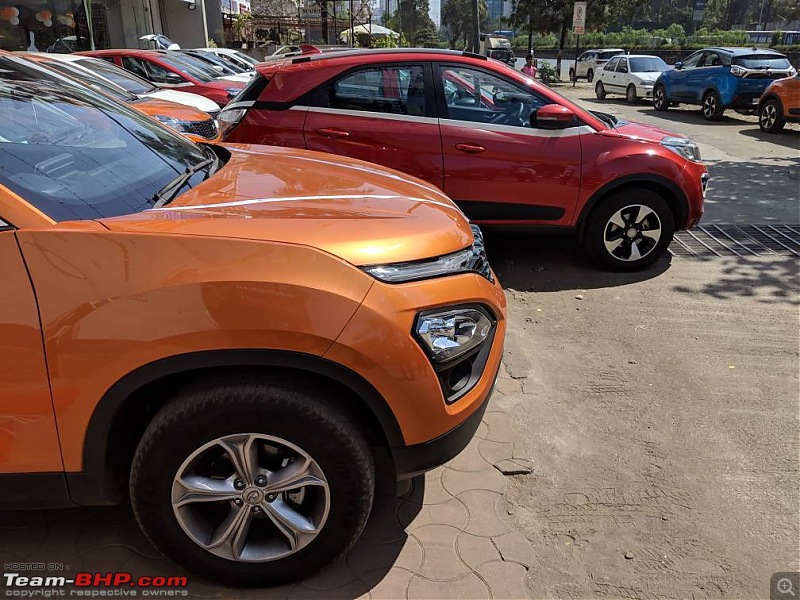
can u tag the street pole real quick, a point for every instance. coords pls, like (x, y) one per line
(352, 26)
(476, 31)
(205, 22)
(575, 68)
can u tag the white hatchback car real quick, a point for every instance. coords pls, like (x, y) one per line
(631, 75)
(591, 61)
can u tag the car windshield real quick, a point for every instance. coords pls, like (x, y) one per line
(96, 82)
(184, 64)
(648, 64)
(124, 79)
(762, 61)
(217, 66)
(246, 58)
(76, 156)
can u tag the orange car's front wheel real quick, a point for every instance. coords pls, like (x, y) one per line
(252, 482)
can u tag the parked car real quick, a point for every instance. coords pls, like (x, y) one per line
(245, 339)
(632, 75)
(590, 62)
(219, 72)
(508, 150)
(780, 103)
(195, 124)
(162, 69)
(134, 84)
(235, 57)
(721, 78)
(217, 61)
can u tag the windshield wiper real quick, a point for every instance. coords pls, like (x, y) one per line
(166, 194)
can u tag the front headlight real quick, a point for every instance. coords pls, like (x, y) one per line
(458, 262)
(683, 147)
(446, 334)
(230, 117)
(173, 123)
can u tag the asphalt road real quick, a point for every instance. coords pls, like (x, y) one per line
(660, 409)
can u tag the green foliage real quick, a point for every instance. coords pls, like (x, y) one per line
(671, 38)
(777, 38)
(457, 20)
(547, 73)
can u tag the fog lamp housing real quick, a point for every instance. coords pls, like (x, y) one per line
(449, 333)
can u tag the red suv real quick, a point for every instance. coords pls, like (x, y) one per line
(166, 71)
(507, 149)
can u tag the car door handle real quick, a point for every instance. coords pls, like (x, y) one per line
(470, 148)
(332, 133)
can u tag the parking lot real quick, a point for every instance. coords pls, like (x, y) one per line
(657, 413)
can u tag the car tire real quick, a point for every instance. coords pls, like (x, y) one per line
(590, 75)
(218, 436)
(660, 101)
(629, 230)
(572, 75)
(600, 91)
(711, 108)
(770, 116)
(630, 94)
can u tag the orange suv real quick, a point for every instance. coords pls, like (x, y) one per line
(244, 338)
(779, 104)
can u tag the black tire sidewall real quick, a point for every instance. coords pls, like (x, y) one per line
(779, 120)
(595, 228)
(600, 90)
(665, 105)
(718, 113)
(590, 75)
(628, 95)
(165, 450)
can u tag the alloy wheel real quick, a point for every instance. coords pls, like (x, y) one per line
(632, 232)
(710, 106)
(250, 497)
(660, 97)
(769, 115)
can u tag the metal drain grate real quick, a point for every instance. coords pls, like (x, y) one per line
(725, 239)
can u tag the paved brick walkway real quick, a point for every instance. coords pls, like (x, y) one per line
(447, 538)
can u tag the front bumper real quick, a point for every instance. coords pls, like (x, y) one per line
(410, 461)
(644, 91)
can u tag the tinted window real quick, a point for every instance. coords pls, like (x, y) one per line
(585, 56)
(651, 64)
(622, 67)
(479, 96)
(762, 61)
(607, 55)
(121, 77)
(397, 90)
(78, 157)
(611, 65)
(712, 59)
(191, 65)
(692, 61)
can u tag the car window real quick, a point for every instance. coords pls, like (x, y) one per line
(76, 156)
(585, 56)
(611, 65)
(622, 66)
(607, 55)
(692, 61)
(483, 97)
(392, 89)
(762, 61)
(647, 64)
(711, 59)
(123, 78)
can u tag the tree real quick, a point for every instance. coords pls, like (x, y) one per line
(457, 21)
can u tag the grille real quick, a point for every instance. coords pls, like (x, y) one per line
(206, 129)
(479, 263)
(214, 114)
(744, 241)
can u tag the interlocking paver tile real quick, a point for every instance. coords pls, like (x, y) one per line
(507, 385)
(475, 550)
(482, 431)
(469, 460)
(439, 546)
(333, 577)
(456, 482)
(493, 452)
(405, 553)
(434, 490)
(483, 517)
(356, 589)
(514, 547)
(468, 587)
(383, 526)
(453, 512)
(506, 579)
(500, 427)
(388, 585)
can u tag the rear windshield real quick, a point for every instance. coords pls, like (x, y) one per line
(607, 55)
(647, 65)
(762, 61)
(123, 78)
(183, 64)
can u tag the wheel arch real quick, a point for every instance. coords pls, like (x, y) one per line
(771, 96)
(126, 409)
(675, 197)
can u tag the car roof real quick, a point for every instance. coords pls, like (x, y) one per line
(637, 56)
(620, 50)
(740, 51)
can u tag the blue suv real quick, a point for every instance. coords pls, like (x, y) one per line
(720, 78)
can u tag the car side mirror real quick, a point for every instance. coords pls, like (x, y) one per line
(553, 116)
(678, 65)
(173, 78)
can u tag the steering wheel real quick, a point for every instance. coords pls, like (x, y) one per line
(512, 115)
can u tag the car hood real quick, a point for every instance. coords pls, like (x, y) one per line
(158, 107)
(647, 76)
(641, 131)
(358, 211)
(187, 98)
(243, 77)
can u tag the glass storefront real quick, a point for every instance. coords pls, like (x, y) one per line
(71, 25)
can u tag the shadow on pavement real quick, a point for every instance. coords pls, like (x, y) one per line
(532, 261)
(788, 138)
(691, 115)
(108, 539)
